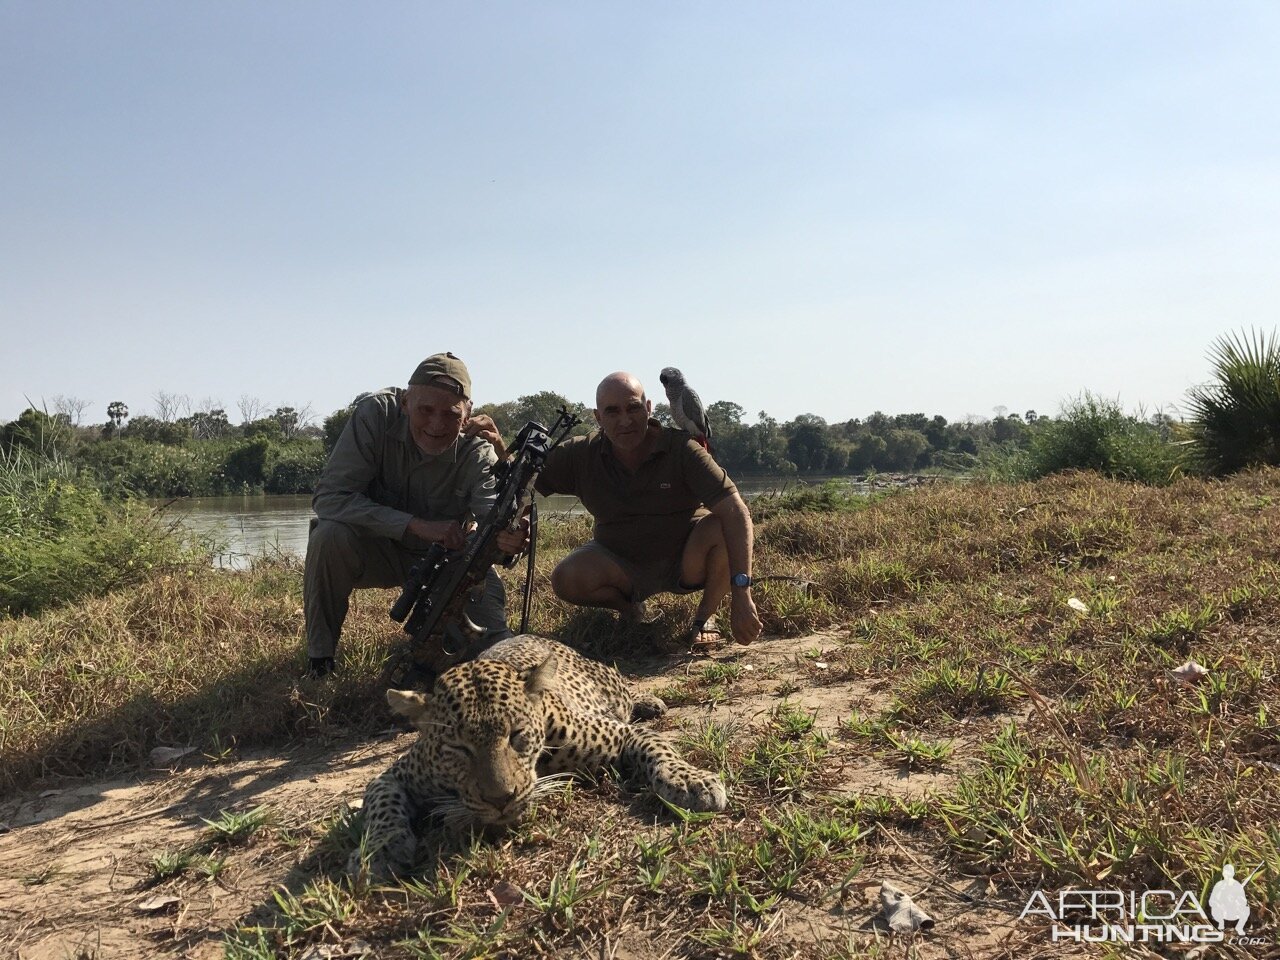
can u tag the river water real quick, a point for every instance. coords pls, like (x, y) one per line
(246, 527)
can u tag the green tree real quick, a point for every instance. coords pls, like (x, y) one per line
(296, 470)
(248, 465)
(544, 407)
(265, 428)
(903, 449)
(1009, 429)
(503, 416)
(334, 424)
(867, 452)
(935, 431)
(808, 445)
(767, 446)
(207, 424)
(153, 430)
(37, 431)
(116, 414)
(724, 413)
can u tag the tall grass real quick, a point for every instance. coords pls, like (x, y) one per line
(1236, 419)
(59, 540)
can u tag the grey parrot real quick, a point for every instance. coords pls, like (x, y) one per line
(686, 407)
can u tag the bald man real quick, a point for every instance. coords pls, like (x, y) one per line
(667, 518)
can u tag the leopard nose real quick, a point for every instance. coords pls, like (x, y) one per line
(500, 800)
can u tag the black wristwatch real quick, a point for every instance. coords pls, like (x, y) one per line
(740, 580)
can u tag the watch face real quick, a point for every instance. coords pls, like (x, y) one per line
(741, 580)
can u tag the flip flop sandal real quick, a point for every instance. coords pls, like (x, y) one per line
(700, 629)
(687, 640)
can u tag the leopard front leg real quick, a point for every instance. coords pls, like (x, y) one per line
(672, 777)
(389, 846)
(591, 743)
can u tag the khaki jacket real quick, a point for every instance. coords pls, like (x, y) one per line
(377, 480)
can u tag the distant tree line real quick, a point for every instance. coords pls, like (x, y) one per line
(188, 449)
(185, 449)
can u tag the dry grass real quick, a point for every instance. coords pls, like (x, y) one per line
(1079, 758)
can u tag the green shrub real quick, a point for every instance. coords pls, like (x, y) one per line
(131, 467)
(60, 540)
(829, 496)
(297, 469)
(1092, 433)
(1236, 419)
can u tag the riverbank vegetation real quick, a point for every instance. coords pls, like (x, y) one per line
(191, 450)
(61, 540)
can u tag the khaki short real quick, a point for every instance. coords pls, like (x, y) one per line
(652, 576)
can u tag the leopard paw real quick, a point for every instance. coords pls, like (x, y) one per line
(645, 706)
(693, 789)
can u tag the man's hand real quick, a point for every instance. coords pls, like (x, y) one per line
(744, 620)
(447, 532)
(514, 542)
(482, 426)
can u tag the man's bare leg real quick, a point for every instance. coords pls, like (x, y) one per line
(588, 578)
(706, 561)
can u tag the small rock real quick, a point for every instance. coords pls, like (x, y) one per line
(356, 948)
(901, 911)
(1078, 605)
(505, 894)
(819, 665)
(1190, 672)
(157, 903)
(165, 756)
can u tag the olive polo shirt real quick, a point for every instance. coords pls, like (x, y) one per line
(377, 480)
(645, 515)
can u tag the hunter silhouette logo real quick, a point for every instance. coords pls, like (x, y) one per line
(1227, 901)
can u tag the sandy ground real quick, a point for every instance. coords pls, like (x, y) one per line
(74, 859)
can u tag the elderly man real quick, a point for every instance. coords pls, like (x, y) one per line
(667, 517)
(411, 468)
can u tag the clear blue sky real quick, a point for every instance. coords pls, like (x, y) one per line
(809, 207)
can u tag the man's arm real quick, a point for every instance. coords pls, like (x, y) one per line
(342, 493)
(483, 487)
(735, 521)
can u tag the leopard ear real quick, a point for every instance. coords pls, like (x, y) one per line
(407, 703)
(541, 677)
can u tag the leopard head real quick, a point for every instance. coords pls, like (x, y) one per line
(484, 728)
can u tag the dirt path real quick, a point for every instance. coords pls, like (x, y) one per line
(76, 877)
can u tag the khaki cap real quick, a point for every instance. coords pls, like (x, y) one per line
(443, 370)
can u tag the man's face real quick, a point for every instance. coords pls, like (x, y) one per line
(436, 417)
(623, 414)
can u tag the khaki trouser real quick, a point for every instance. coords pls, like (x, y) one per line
(339, 560)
